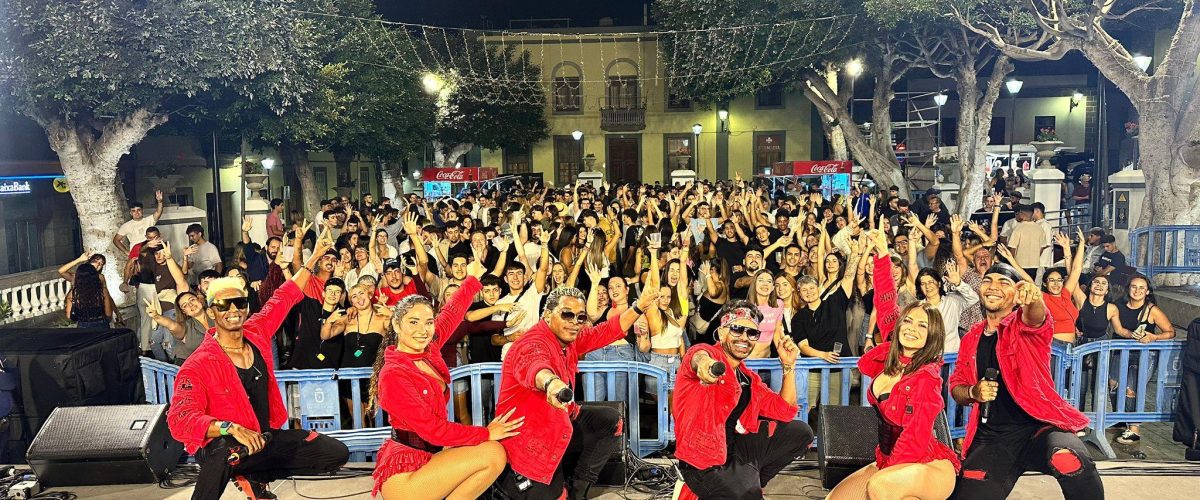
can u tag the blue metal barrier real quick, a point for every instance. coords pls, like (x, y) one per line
(1165, 249)
(1081, 375)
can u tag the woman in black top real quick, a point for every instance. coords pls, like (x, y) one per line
(1139, 319)
(361, 326)
(88, 303)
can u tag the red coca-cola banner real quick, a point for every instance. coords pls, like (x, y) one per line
(464, 174)
(818, 167)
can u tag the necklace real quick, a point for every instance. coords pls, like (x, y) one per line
(233, 349)
(358, 351)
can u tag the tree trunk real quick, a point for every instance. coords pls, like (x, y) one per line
(297, 156)
(834, 134)
(393, 180)
(89, 161)
(449, 157)
(1172, 170)
(976, 107)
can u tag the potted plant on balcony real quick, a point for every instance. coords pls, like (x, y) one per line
(255, 178)
(1047, 141)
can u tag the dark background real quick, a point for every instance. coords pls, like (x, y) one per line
(495, 14)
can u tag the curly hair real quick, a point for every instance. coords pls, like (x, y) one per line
(405, 306)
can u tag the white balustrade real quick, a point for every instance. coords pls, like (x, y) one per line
(33, 299)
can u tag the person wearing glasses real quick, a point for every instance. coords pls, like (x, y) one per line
(537, 380)
(732, 434)
(227, 408)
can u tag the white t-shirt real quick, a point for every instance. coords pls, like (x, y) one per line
(135, 230)
(206, 257)
(530, 302)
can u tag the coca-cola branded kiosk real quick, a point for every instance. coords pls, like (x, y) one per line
(831, 176)
(449, 180)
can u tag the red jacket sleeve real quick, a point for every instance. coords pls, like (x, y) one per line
(1044, 332)
(530, 357)
(772, 405)
(271, 316)
(601, 335)
(964, 369)
(454, 312)
(186, 418)
(926, 400)
(887, 312)
(405, 399)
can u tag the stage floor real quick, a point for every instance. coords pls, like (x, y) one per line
(1125, 480)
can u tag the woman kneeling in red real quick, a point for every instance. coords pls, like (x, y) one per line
(906, 391)
(411, 383)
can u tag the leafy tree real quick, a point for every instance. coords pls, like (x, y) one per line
(98, 75)
(1165, 96)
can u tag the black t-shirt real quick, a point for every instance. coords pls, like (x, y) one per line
(824, 326)
(737, 292)
(1005, 415)
(479, 347)
(254, 380)
(743, 402)
(309, 352)
(1114, 259)
(733, 251)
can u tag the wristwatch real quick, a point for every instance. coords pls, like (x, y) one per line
(225, 426)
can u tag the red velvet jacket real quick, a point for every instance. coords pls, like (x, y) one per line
(916, 400)
(207, 387)
(417, 402)
(1024, 354)
(537, 451)
(700, 410)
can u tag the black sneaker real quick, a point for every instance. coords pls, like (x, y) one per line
(253, 490)
(1129, 437)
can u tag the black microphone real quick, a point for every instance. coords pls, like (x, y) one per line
(565, 395)
(240, 451)
(717, 369)
(989, 375)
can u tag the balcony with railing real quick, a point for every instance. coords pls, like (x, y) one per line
(622, 115)
(35, 296)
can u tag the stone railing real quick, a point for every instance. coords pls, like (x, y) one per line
(33, 294)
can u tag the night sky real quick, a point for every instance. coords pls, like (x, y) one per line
(467, 13)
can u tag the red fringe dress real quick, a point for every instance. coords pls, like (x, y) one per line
(416, 402)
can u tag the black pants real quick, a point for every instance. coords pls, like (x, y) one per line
(993, 465)
(287, 453)
(596, 434)
(753, 460)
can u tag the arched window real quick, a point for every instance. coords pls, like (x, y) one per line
(622, 91)
(568, 88)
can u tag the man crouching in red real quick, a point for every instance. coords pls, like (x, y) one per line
(725, 449)
(536, 380)
(227, 408)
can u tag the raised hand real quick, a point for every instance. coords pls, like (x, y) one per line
(648, 298)
(1061, 240)
(952, 274)
(410, 224)
(153, 307)
(475, 268)
(788, 351)
(593, 273)
(158, 196)
(166, 250)
(1027, 293)
(247, 224)
(956, 223)
(516, 318)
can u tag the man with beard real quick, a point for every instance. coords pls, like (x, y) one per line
(731, 243)
(315, 288)
(1022, 423)
(733, 434)
(744, 277)
(227, 407)
(537, 376)
(258, 264)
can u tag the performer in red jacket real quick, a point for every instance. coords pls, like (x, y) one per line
(906, 391)
(538, 374)
(412, 385)
(227, 408)
(1028, 425)
(726, 449)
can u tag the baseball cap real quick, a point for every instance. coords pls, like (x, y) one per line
(390, 264)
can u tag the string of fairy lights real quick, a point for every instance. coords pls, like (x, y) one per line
(524, 66)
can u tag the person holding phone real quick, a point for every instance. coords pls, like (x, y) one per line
(537, 380)
(733, 434)
(227, 408)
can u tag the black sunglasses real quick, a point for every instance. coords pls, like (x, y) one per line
(569, 316)
(230, 303)
(744, 331)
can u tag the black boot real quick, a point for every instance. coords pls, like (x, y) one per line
(579, 489)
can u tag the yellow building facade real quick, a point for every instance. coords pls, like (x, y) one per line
(610, 84)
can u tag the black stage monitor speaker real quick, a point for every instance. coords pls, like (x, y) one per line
(847, 439)
(88, 445)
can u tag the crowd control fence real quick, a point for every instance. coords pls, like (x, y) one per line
(1089, 376)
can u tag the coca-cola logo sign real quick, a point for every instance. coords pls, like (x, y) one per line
(824, 169)
(452, 175)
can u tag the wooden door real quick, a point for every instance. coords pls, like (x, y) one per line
(624, 163)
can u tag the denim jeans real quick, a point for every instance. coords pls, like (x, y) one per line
(161, 341)
(625, 352)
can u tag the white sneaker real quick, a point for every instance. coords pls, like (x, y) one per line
(1128, 437)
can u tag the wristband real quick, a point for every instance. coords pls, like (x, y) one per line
(224, 427)
(638, 310)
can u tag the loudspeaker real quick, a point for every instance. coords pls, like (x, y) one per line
(616, 470)
(848, 436)
(88, 445)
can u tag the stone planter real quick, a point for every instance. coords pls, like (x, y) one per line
(255, 183)
(683, 162)
(1045, 151)
(166, 184)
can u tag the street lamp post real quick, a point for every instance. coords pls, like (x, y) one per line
(696, 129)
(853, 69)
(939, 99)
(1014, 86)
(267, 163)
(578, 136)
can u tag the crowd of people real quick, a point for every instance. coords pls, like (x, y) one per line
(692, 278)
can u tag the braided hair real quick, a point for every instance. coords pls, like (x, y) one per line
(402, 308)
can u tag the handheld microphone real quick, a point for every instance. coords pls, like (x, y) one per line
(989, 375)
(238, 452)
(565, 395)
(717, 368)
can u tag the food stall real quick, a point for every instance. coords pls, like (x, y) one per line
(451, 180)
(831, 176)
